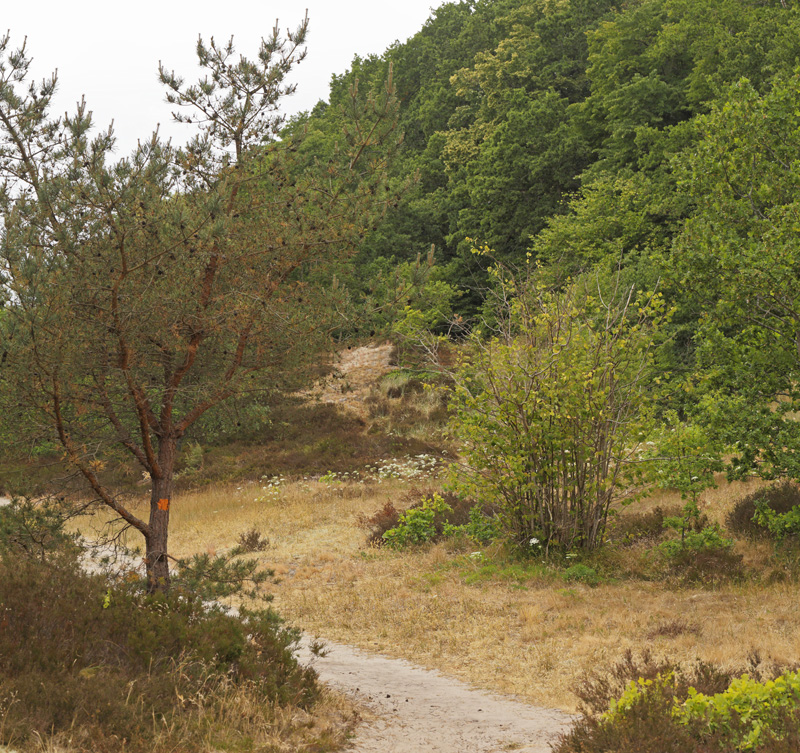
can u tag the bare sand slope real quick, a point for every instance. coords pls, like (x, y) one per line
(421, 711)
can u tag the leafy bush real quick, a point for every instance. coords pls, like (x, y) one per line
(551, 412)
(190, 460)
(417, 525)
(453, 516)
(748, 711)
(684, 458)
(648, 705)
(781, 525)
(702, 553)
(689, 520)
(780, 498)
(580, 573)
(482, 527)
(703, 556)
(709, 538)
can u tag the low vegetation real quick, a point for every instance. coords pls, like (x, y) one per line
(643, 704)
(503, 617)
(88, 664)
(383, 556)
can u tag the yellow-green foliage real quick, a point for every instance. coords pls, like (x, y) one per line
(635, 692)
(551, 412)
(744, 713)
(748, 707)
(418, 524)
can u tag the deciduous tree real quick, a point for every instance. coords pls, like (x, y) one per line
(739, 254)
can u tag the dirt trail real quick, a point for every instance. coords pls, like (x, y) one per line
(421, 711)
(417, 710)
(411, 709)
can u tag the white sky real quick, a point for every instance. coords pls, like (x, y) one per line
(110, 51)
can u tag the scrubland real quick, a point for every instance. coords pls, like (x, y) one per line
(514, 624)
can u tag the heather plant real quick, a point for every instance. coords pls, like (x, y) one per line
(632, 527)
(644, 704)
(251, 540)
(381, 521)
(151, 672)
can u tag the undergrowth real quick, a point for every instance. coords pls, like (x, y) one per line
(645, 704)
(780, 498)
(104, 666)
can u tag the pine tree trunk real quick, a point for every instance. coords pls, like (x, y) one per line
(156, 538)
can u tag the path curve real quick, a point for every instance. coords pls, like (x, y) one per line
(422, 711)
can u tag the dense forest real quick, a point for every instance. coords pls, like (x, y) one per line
(557, 127)
(647, 143)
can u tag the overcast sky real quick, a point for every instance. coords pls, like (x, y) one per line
(109, 51)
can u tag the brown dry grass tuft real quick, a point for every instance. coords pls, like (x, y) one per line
(530, 635)
(242, 724)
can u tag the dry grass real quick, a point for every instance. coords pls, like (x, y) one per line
(284, 729)
(533, 643)
(302, 519)
(532, 638)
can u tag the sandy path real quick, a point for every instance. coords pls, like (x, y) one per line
(421, 711)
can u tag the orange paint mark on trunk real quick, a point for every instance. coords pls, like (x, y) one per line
(163, 504)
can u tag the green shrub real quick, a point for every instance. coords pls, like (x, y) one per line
(781, 525)
(747, 712)
(437, 516)
(648, 705)
(580, 573)
(191, 459)
(703, 556)
(702, 553)
(744, 715)
(709, 538)
(550, 412)
(779, 498)
(482, 527)
(417, 525)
